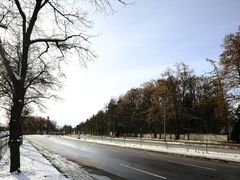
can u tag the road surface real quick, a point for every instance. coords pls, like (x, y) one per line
(136, 164)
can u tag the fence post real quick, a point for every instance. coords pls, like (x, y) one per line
(3, 143)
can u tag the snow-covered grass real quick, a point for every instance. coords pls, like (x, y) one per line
(33, 166)
(169, 147)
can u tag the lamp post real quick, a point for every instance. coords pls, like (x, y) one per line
(164, 120)
(161, 99)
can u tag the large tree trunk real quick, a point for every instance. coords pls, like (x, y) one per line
(15, 135)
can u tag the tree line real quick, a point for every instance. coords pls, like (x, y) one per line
(38, 125)
(179, 102)
(41, 125)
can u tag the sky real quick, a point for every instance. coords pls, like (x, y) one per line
(136, 44)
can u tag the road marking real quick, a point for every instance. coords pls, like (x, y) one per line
(202, 167)
(143, 171)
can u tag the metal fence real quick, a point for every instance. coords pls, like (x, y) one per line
(3, 145)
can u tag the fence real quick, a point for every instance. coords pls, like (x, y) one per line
(193, 137)
(3, 145)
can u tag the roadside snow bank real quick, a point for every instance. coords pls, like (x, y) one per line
(33, 166)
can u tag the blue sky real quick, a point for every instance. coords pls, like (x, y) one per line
(137, 43)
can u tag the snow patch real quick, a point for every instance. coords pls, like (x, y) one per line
(33, 166)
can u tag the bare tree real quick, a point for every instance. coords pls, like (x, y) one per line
(37, 37)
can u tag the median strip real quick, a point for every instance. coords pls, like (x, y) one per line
(143, 171)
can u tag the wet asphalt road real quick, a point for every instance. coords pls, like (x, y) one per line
(137, 164)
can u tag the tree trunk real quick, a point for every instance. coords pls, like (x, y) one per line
(15, 157)
(177, 133)
(155, 130)
(15, 135)
(228, 134)
(160, 131)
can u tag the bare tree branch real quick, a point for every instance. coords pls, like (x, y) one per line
(6, 63)
(57, 40)
(3, 26)
(23, 16)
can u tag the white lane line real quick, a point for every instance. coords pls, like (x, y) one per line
(143, 171)
(202, 167)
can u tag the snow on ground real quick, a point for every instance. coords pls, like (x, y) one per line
(33, 166)
(70, 169)
(39, 163)
(219, 154)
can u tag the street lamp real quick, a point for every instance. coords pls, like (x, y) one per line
(162, 99)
